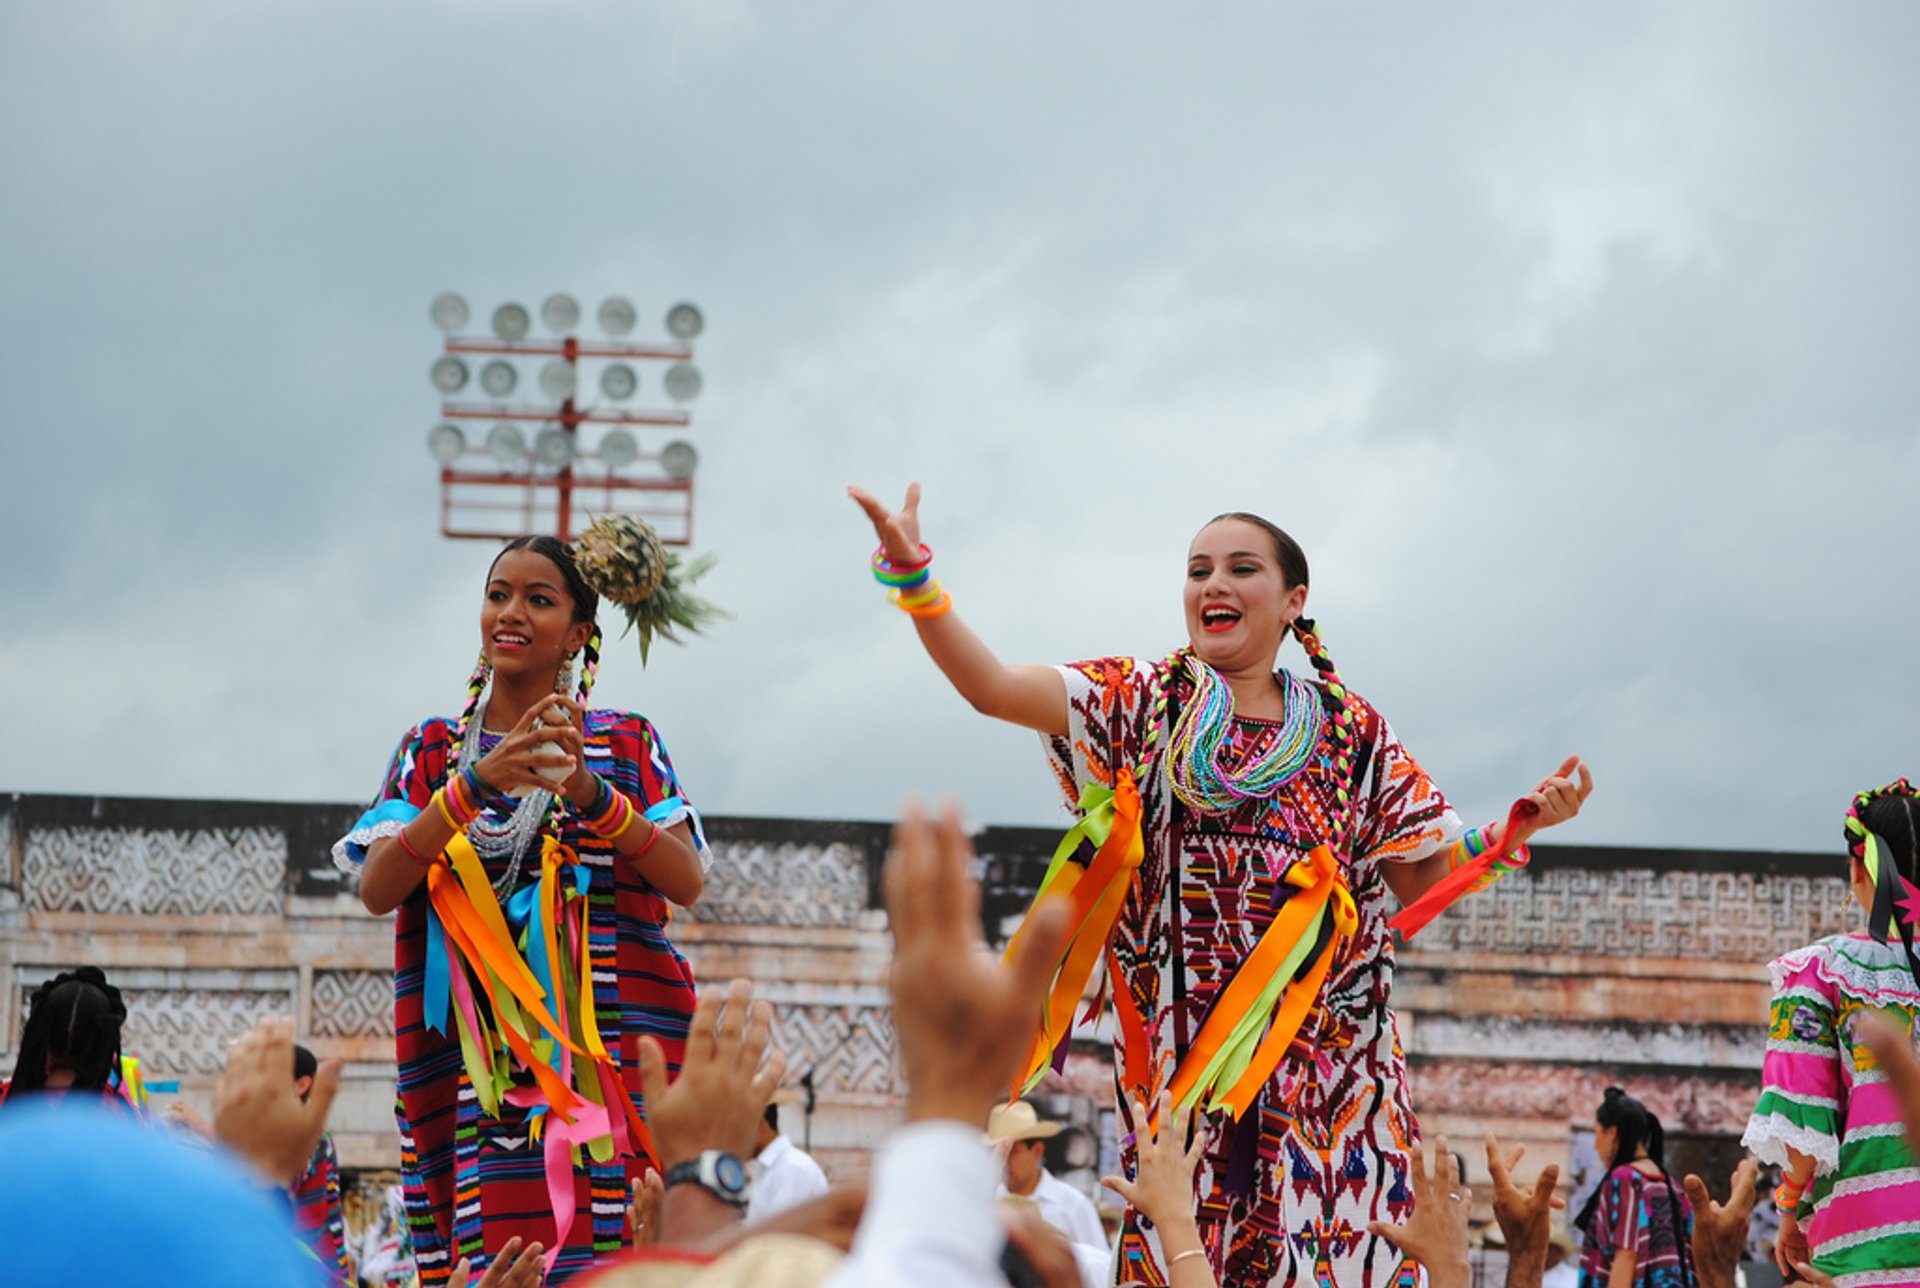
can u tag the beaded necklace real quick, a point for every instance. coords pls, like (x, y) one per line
(1201, 767)
(512, 838)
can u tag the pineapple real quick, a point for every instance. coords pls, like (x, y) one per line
(623, 559)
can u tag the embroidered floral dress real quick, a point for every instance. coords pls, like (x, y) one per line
(1823, 1094)
(473, 1181)
(1651, 1217)
(1285, 1195)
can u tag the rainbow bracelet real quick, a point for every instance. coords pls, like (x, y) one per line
(1786, 1199)
(888, 573)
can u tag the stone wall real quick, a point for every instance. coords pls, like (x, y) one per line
(1645, 967)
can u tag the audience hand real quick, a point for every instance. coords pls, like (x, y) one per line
(1526, 1218)
(1162, 1188)
(256, 1111)
(184, 1116)
(1720, 1230)
(725, 1081)
(643, 1213)
(1436, 1237)
(1045, 1249)
(963, 1018)
(513, 1268)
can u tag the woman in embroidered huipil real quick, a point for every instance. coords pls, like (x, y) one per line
(1238, 815)
(1850, 1194)
(531, 847)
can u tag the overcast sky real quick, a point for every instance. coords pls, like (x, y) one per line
(1578, 344)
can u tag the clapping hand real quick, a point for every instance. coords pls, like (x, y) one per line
(1162, 1188)
(513, 1268)
(1720, 1229)
(1525, 1217)
(725, 1082)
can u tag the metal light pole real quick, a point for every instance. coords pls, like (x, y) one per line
(545, 482)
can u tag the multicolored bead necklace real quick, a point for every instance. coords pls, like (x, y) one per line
(1201, 769)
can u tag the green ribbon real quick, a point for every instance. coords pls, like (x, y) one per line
(1230, 1062)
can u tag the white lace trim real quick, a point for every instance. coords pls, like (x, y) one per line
(1879, 1279)
(1873, 1233)
(362, 838)
(1877, 1181)
(1833, 962)
(1769, 1138)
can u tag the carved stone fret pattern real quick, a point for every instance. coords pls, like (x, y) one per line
(1691, 1101)
(352, 1003)
(159, 871)
(849, 1048)
(1717, 916)
(783, 884)
(191, 1030)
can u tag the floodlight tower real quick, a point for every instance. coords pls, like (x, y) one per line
(538, 482)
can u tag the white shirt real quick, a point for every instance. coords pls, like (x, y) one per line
(1067, 1210)
(930, 1220)
(783, 1177)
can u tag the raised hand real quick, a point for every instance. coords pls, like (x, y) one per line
(725, 1081)
(1720, 1229)
(963, 1018)
(256, 1111)
(1559, 796)
(1525, 1217)
(1162, 1188)
(1436, 1236)
(899, 531)
(643, 1212)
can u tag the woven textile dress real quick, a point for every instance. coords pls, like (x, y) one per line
(1326, 1149)
(1648, 1215)
(471, 1181)
(1823, 1094)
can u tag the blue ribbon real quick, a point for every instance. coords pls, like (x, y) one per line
(439, 969)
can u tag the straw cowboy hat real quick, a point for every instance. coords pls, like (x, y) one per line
(1019, 1121)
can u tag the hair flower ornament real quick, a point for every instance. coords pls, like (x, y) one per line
(625, 560)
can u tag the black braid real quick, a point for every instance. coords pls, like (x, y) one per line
(74, 1021)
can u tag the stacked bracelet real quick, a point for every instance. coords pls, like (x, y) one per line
(611, 813)
(912, 587)
(1787, 1198)
(462, 799)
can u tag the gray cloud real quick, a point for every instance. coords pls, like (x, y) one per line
(1575, 343)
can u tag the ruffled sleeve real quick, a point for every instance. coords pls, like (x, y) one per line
(1801, 1079)
(418, 766)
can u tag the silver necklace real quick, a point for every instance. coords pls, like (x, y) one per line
(509, 840)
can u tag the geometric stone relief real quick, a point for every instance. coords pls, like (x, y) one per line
(191, 1030)
(783, 884)
(1634, 912)
(849, 1048)
(352, 1003)
(160, 871)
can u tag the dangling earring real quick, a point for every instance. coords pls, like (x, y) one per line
(563, 683)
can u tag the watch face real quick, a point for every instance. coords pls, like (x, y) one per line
(731, 1175)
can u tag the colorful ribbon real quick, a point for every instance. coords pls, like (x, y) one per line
(533, 1009)
(1495, 863)
(1271, 992)
(1110, 820)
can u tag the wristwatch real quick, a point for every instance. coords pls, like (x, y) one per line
(715, 1171)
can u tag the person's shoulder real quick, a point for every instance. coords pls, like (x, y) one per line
(610, 722)
(1116, 670)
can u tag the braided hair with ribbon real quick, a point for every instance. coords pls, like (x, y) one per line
(1882, 835)
(73, 1023)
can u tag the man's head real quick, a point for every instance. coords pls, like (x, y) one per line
(1025, 1134)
